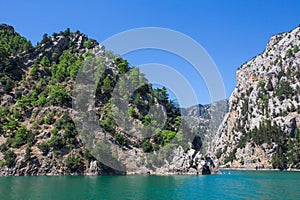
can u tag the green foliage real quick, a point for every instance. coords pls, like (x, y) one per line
(120, 139)
(68, 139)
(122, 64)
(289, 53)
(90, 43)
(21, 137)
(295, 49)
(279, 160)
(2, 163)
(231, 156)
(11, 125)
(107, 85)
(42, 100)
(12, 43)
(108, 123)
(33, 71)
(88, 156)
(45, 38)
(44, 147)
(48, 85)
(284, 90)
(134, 77)
(147, 146)
(266, 133)
(45, 62)
(131, 111)
(56, 142)
(68, 66)
(73, 162)
(59, 96)
(245, 107)
(287, 152)
(147, 120)
(8, 83)
(27, 153)
(261, 84)
(167, 136)
(9, 157)
(24, 103)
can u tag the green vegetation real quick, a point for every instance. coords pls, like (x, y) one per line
(284, 90)
(41, 92)
(21, 137)
(123, 65)
(289, 53)
(147, 146)
(9, 157)
(90, 43)
(287, 146)
(120, 139)
(231, 156)
(73, 162)
(12, 43)
(295, 49)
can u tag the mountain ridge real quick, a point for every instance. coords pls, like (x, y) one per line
(39, 136)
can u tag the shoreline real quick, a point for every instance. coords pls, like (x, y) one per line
(216, 172)
(259, 169)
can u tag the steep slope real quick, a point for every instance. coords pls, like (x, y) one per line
(261, 129)
(40, 133)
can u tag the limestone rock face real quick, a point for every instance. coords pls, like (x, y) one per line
(190, 162)
(266, 95)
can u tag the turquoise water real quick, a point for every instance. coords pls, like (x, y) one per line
(229, 185)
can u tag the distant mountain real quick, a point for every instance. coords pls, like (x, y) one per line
(204, 120)
(261, 129)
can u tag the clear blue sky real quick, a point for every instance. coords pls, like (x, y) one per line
(232, 32)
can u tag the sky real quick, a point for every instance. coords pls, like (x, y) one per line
(231, 32)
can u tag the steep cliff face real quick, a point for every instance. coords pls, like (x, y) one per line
(262, 126)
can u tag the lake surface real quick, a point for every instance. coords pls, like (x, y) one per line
(229, 185)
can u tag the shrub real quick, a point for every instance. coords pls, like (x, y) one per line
(131, 111)
(44, 147)
(123, 65)
(89, 43)
(120, 139)
(88, 156)
(73, 162)
(22, 136)
(296, 49)
(146, 146)
(9, 157)
(289, 53)
(28, 153)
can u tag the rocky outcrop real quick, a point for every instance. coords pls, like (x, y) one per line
(263, 118)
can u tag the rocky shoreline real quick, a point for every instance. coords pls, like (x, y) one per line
(258, 169)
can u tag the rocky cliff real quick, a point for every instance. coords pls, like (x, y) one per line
(261, 129)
